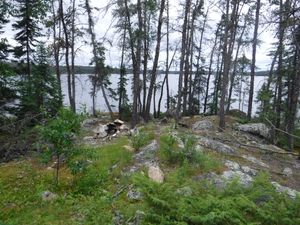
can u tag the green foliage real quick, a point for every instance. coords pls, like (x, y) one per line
(59, 132)
(7, 92)
(259, 204)
(139, 139)
(188, 154)
(41, 91)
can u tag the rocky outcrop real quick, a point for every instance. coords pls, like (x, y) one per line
(255, 161)
(202, 125)
(146, 156)
(259, 129)
(216, 145)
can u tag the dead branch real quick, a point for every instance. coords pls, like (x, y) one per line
(283, 131)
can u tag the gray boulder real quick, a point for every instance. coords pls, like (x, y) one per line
(259, 129)
(283, 189)
(243, 178)
(202, 125)
(234, 166)
(146, 156)
(100, 131)
(156, 174)
(216, 145)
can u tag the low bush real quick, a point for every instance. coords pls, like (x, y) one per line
(173, 154)
(139, 140)
(235, 205)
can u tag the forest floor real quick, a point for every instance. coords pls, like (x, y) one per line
(201, 176)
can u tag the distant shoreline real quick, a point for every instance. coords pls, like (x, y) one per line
(90, 70)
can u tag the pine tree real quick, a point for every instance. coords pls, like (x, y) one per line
(29, 14)
(41, 92)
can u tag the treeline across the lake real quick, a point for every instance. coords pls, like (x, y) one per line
(152, 38)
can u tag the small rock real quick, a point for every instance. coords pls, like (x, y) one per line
(118, 218)
(290, 192)
(287, 172)
(259, 129)
(202, 125)
(48, 196)
(216, 145)
(156, 174)
(185, 191)
(134, 195)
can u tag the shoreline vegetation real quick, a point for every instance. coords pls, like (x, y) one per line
(91, 70)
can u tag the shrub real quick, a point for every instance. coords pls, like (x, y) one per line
(59, 133)
(138, 140)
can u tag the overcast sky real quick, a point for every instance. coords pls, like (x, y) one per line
(113, 54)
(104, 27)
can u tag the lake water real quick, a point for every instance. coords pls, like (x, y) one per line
(84, 87)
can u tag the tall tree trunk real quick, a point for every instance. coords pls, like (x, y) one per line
(146, 29)
(56, 49)
(167, 60)
(122, 74)
(73, 104)
(253, 64)
(217, 81)
(97, 66)
(155, 63)
(186, 67)
(295, 90)
(278, 105)
(182, 58)
(67, 46)
(136, 59)
(224, 80)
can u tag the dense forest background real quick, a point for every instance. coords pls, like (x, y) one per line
(48, 36)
